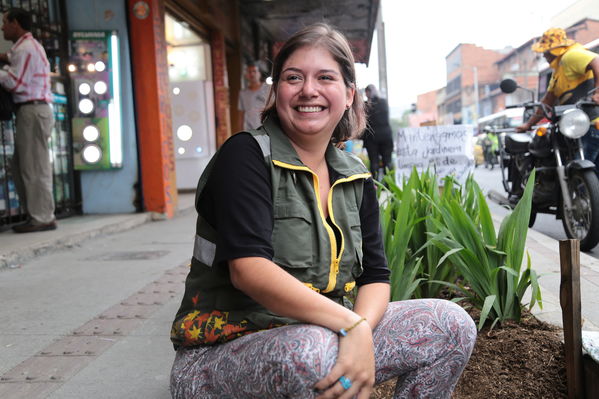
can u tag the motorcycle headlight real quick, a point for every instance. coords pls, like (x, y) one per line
(574, 123)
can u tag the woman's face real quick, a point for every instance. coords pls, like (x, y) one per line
(311, 96)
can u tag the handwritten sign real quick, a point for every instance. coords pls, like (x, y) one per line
(447, 150)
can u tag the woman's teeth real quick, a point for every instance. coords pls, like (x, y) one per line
(309, 109)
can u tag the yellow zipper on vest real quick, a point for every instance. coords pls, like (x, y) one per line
(335, 267)
(335, 260)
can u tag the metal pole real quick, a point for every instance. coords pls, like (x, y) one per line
(475, 70)
(380, 34)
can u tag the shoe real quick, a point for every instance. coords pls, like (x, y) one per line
(32, 228)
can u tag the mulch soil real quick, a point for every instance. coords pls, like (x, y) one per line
(514, 360)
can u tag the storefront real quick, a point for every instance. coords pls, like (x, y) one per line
(50, 29)
(175, 69)
(192, 100)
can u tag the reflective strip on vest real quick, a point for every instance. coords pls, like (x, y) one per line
(264, 143)
(204, 250)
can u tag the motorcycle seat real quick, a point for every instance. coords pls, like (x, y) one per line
(517, 143)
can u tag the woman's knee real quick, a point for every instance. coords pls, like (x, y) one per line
(307, 352)
(460, 323)
(430, 316)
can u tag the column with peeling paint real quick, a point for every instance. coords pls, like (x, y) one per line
(152, 106)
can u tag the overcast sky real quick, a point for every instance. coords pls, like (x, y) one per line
(419, 34)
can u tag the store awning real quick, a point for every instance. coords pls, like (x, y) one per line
(281, 18)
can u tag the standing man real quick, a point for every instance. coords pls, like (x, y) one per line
(27, 77)
(252, 99)
(378, 139)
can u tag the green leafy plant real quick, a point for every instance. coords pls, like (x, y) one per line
(438, 237)
(406, 220)
(397, 222)
(490, 264)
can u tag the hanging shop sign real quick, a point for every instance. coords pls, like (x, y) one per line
(94, 69)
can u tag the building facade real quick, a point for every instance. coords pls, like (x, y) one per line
(146, 91)
(473, 76)
(470, 69)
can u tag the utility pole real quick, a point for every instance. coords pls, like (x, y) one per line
(476, 103)
(381, 49)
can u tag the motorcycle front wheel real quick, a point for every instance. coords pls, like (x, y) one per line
(582, 221)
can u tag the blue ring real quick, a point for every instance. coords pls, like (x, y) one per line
(345, 382)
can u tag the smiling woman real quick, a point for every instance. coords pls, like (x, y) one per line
(288, 226)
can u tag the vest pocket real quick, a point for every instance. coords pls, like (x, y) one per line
(292, 236)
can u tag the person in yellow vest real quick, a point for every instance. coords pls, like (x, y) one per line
(287, 228)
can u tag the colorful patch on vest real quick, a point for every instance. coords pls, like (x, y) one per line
(207, 328)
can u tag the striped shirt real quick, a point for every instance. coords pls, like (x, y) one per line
(27, 75)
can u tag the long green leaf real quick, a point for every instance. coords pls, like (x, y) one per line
(485, 310)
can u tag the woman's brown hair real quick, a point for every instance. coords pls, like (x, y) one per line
(353, 121)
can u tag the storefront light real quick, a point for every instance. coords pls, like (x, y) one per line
(100, 66)
(72, 68)
(91, 67)
(91, 133)
(86, 106)
(92, 153)
(176, 91)
(269, 80)
(181, 150)
(85, 89)
(184, 133)
(114, 107)
(100, 87)
(199, 149)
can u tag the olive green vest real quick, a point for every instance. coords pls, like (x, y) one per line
(304, 244)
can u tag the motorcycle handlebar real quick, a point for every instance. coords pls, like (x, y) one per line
(525, 105)
(593, 103)
(505, 130)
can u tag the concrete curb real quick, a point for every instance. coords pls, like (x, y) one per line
(50, 241)
(19, 248)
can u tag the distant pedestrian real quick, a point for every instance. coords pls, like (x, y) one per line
(378, 139)
(27, 77)
(253, 98)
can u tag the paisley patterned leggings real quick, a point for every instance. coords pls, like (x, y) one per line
(424, 343)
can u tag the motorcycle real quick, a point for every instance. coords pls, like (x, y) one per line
(566, 184)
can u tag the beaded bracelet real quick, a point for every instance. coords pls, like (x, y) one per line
(343, 332)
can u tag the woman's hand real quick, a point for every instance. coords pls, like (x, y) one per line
(355, 361)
